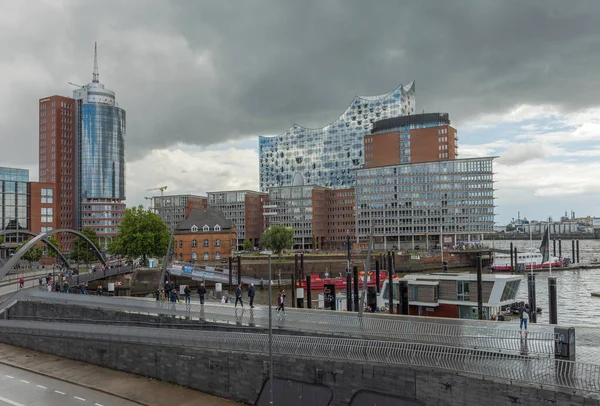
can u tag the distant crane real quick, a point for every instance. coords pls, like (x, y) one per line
(162, 190)
(76, 85)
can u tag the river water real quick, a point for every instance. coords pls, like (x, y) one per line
(576, 306)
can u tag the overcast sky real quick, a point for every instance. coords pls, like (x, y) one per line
(200, 80)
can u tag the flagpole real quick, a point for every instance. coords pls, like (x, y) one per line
(530, 249)
(550, 260)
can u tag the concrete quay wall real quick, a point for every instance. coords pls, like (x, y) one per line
(241, 377)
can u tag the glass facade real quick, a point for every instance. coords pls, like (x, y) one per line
(102, 158)
(14, 198)
(14, 174)
(171, 209)
(452, 197)
(327, 156)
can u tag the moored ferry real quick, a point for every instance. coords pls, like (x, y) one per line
(525, 261)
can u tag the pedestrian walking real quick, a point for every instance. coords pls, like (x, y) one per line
(21, 283)
(40, 283)
(99, 290)
(251, 293)
(82, 289)
(238, 295)
(281, 301)
(187, 293)
(201, 293)
(523, 318)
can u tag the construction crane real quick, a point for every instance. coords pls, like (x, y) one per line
(162, 190)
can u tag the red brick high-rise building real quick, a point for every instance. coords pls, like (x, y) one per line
(57, 160)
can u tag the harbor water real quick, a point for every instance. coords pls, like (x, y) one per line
(576, 305)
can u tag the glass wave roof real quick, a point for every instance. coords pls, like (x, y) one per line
(327, 156)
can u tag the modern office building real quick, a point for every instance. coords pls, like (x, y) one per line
(100, 129)
(418, 205)
(245, 209)
(328, 156)
(321, 217)
(411, 139)
(173, 209)
(58, 160)
(14, 200)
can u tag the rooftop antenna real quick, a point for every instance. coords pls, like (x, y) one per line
(96, 75)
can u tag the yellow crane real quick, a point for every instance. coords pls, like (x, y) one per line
(162, 189)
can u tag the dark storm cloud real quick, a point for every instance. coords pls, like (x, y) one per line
(203, 72)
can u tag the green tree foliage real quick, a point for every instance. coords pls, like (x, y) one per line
(510, 227)
(247, 244)
(49, 251)
(142, 234)
(33, 254)
(82, 251)
(1, 240)
(277, 238)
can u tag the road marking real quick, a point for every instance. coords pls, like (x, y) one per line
(10, 402)
(9, 377)
(78, 398)
(59, 392)
(24, 381)
(40, 386)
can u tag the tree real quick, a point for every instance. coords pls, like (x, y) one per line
(511, 227)
(142, 234)
(82, 251)
(33, 254)
(247, 244)
(49, 251)
(277, 238)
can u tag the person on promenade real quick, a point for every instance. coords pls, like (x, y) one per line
(251, 293)
(173, 298)
(21, 283)
(187, 294)
(99, 290)
(238, 295)
(523, 317)
(281, 301)
(201, 293)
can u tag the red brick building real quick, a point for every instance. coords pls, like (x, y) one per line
(205, 235)
(57, 151)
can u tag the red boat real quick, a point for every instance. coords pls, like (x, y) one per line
(317, 283)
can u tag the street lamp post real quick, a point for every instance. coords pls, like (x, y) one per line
(266, 214)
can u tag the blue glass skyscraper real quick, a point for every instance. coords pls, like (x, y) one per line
(100, 158)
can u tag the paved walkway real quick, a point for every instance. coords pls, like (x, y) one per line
(131, 387)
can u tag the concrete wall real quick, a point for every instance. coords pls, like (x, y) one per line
(242, 376)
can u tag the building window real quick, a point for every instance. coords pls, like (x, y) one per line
(462, 291)
(194, 256)
(46, 229)
(47, 215)
(415, 293)
(217, 243)
(206, 228)
(194, 243)
(206, 256)
(194, 229)
(217, 228)
(218, 256)
(206, 243)
(180, 243)
(47, 196)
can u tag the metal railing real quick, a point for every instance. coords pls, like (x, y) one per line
(538, 371)
(326, 322)
(96, 275)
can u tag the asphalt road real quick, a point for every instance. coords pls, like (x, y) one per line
(22, 388)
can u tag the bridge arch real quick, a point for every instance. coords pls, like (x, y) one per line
(13, 260)
(44, 240)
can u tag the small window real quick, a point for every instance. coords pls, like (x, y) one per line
(218, 256)
(206, 256)
(180, 243)
(205, 243)
(217, 228)
(194, 229)
(217, 243)
(194, 256)
(194, 243)
(206, 228)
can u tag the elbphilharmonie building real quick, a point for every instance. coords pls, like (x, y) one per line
(329, 155)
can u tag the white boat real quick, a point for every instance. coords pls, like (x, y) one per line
(525, 262)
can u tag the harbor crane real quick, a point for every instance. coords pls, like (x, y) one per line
(162, 190)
